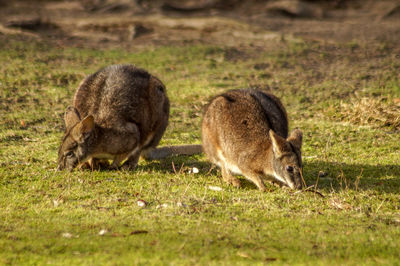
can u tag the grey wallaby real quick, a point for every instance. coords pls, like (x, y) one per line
(246, 132)
(118, 113)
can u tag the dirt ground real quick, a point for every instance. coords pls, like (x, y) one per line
(132, 24)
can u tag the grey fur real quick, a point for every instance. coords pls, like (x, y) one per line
(166, 151)
(246, 132)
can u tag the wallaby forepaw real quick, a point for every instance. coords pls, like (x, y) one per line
(236, 183)
(262, 187)
(113, 167)
(85, 166)
(128, 167)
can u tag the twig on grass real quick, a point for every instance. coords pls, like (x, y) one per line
(302, 178)
(357, 182)
(173, 167)
(211, 168)
(308, 189)
(180, 169)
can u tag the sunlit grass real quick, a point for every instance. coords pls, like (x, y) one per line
(57, 217)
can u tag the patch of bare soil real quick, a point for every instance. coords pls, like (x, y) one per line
(132, 24)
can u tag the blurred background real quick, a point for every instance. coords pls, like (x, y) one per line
(135, 23)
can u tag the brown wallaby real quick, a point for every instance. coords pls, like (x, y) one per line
(118, 112)
(246, 132)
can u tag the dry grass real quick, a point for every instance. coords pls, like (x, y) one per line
(375, 112)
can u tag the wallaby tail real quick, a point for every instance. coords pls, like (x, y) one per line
(166, 151)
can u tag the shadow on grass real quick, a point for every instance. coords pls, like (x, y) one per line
(331, 176)
(338, 176)
(176, 164)
(341, 176)
(185, 164)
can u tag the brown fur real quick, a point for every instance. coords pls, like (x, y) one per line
(118, 112)
(246, 132)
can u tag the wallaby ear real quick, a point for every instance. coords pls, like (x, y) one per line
(296, 138)
(71, 117)
(87, 125)
(278, 143)
(85, 128)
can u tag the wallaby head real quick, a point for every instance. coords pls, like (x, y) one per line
(77, 140)
(286, 163)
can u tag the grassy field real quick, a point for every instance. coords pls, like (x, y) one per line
(344, 97)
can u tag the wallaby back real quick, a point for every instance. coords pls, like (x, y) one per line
(246, 132)
(130, 111)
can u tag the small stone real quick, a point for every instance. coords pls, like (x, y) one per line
(66, 235)
(164, 206)
(141, 203)
(57, 202)
(215, 188)
(103, 232)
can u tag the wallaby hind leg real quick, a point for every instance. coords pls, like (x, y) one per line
(229, 178)
(133, 156)
(117, 161)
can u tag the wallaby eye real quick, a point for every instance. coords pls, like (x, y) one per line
(289, 169)
(160, 88)
(69, 154)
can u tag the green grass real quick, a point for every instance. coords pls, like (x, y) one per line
(49, 217)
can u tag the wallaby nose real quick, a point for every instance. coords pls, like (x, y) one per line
(291, 184)
(295, 184)
(298, 183)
